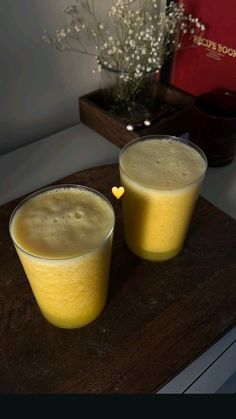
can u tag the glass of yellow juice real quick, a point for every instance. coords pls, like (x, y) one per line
(162, 176)
(63, 236)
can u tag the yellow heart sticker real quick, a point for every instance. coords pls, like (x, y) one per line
(118, 192)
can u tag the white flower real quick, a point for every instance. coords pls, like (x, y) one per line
(135, 38)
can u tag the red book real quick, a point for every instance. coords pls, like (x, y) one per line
(211, 62)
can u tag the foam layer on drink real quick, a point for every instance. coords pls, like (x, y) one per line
(62, 223)
(162, 163)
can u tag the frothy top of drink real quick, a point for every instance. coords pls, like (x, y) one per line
(162, 163)
(62, 223)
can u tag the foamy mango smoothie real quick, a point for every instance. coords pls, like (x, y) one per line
(162, 177)
(63, 236)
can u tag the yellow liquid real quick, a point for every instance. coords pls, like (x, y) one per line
(63, 238)
(159, 177)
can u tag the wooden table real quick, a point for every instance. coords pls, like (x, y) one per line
(158, 318)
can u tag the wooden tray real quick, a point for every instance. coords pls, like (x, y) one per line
(158, 318)
(172, 116)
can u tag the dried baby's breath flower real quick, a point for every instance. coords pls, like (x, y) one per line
(134, 41)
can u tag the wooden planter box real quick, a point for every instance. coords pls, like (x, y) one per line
(172, 116)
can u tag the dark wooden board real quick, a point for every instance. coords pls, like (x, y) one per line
(173, 118)
(158, 317)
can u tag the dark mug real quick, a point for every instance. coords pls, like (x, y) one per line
(213, 126)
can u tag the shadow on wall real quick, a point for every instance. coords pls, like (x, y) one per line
(39, 85)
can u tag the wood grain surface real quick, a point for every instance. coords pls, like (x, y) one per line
(172, 116)
(158, 317)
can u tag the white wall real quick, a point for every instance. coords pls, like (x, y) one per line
(39, 86)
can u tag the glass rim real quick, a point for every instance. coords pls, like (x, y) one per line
(60, 186)
(117, 71)
(164, 137)
(211, 93)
